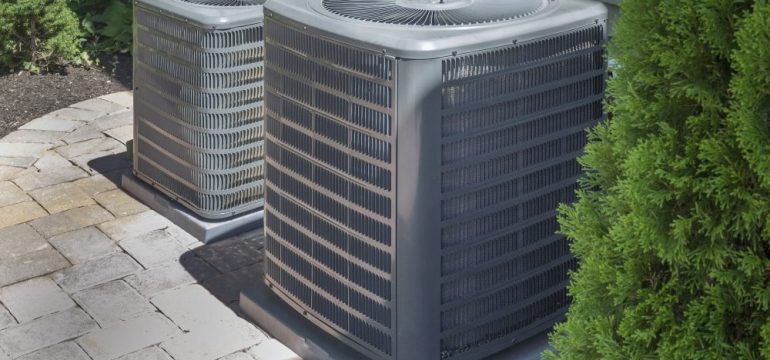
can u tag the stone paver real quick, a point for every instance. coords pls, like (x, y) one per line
(103, 161)
(212, 334)
(90, 147)
(151, 353)
(238, 253)
(23, 161)
(214, 343)
(153, 248)
(124, 98)
(128, 337)
(272, 350)
(162, 277)
(96, 271)
(115, 120)
(113, 302)
(182, 305)
(64, 351)
(122, 134)
(9, 172)
(99, 105)
(51, 161)
(39, 179)
(46, 331)
(84, 293)
(34, 298)
(23, 149)
(95, 184)
(83, 133)
(119, 203)
(70, 113)
(237, 356)
(6, 320)
(183, 237)
(84, 244)
(11, 194)
(134, 225)
(19, 240)
(34, 136)
(70, 220)
(61, 197)
(20, 213)
(52, 123)
(31, 265)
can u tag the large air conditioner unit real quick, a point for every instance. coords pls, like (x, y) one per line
(198, 102)
(416, 154)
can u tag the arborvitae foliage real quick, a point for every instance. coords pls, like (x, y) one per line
(672, 228)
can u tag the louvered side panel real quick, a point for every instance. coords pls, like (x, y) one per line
(198, 112)
(513, 124)
(330, 188)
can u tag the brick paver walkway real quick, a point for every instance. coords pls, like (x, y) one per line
(87, 272)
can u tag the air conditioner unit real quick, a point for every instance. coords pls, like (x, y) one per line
(198, 110)
(416, 153)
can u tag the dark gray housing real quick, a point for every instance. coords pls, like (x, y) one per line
(198, 102)
(417, 152)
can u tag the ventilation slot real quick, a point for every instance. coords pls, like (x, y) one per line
(329, 179)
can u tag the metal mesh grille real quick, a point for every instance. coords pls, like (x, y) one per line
(434, 13)
(513, 123)
(198, 114)
(329, 222)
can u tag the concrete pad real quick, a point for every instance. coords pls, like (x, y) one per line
(204, 230)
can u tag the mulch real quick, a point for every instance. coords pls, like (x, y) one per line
(25, 96)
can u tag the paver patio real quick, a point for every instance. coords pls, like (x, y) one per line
(88, 272)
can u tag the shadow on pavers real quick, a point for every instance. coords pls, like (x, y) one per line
(223, 268)
(111, 166)
(226, 267)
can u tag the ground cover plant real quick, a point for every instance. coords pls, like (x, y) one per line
(672, 229)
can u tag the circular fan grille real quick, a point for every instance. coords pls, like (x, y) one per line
(226, 3)
(435, 12)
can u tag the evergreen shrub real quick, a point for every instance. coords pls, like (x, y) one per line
(672, 226)
(37, 34)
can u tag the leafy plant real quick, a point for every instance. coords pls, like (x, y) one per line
(110, 26)
(672, 229)
(37, 34)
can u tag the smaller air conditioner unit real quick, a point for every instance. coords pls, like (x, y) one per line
(198, 127)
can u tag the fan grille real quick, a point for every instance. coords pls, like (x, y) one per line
(435, 12)
(226, 3)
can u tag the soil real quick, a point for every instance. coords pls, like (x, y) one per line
(25, 96)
